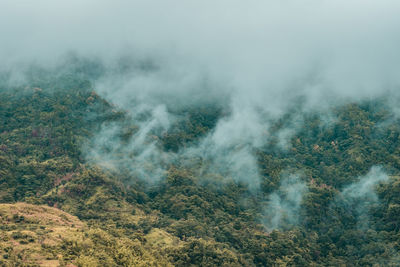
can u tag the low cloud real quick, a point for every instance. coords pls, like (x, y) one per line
(135, 151)
(357, 198)
(256, 59)
(283, 208)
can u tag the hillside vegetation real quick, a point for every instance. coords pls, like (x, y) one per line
(58, 209)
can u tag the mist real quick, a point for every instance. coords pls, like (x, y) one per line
(138, 154)
(283, 208)
(357, 198)
(259, 50)
(255, 60)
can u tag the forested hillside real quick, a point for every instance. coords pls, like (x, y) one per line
(328, 196)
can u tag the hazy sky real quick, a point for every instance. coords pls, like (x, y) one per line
(349, 46)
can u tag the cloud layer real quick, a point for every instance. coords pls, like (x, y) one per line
(255, 58)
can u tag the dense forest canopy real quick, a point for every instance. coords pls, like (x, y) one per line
(327, 194)
(215, 133)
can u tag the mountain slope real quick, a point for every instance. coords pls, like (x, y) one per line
(184, 220)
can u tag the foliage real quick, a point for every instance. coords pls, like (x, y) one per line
(183, 221)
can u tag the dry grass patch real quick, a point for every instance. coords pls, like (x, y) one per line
(33, 234)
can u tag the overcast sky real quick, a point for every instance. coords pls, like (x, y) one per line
(350, 47)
